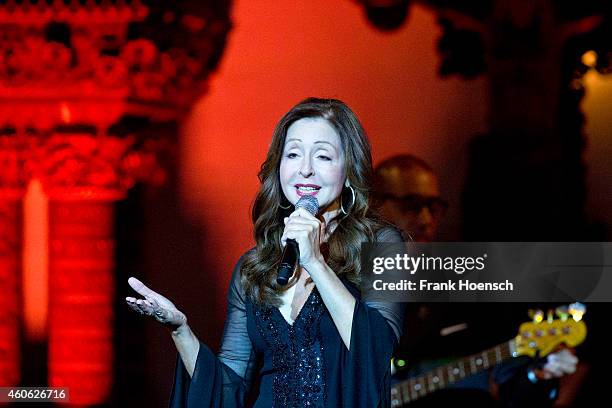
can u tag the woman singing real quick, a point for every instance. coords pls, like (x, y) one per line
(315, 342)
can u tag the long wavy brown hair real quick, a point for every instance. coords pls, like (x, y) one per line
(259, 267)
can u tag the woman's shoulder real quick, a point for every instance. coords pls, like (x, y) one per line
(383, 230)
(245, 255)
(236, 279)
(388, 233)
(237, 268)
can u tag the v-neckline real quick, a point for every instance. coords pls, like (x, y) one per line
(297, 317)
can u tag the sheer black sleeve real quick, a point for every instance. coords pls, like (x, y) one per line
(221, 381)
(376, 328)
(393, 312)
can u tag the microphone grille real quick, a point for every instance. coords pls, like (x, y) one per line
(309, 203)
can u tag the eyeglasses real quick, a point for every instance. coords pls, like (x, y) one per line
(414, 203)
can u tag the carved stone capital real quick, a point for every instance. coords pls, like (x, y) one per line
(93, 62)
(90, 167)
(13, 178)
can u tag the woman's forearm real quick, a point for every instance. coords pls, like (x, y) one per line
(339, 301)
(188, 347)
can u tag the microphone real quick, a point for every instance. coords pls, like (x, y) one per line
(291, 253)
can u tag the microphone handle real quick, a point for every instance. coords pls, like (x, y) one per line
(289, 260)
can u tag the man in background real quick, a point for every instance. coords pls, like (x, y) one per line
(409, 196)
(407, 193)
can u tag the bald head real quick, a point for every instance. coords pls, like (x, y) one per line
(405, 174)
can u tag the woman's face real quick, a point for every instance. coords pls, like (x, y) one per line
(313, 163)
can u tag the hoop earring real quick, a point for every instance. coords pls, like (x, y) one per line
(287, 207)
(352, 202)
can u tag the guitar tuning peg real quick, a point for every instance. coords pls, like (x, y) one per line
(562, 313)
(536, 315)
(577, 310)
(550, 315)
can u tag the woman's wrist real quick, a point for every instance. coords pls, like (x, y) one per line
(185, 340)
(315, 266)
(188, 346)
(181, 332)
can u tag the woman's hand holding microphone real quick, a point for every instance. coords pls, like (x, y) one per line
(307, 231)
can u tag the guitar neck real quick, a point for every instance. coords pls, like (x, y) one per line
(442, 376)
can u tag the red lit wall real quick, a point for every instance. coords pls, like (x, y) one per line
(280, 53)
(286, 51)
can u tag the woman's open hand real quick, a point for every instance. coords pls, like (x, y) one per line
(155, 305)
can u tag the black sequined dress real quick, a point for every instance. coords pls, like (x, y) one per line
(301, 365)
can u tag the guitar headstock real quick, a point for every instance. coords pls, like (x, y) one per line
(543, 335)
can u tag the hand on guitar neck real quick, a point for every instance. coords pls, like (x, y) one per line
(557, 365)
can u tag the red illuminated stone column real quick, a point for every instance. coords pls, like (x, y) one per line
(10, 271)
(83, 176)
(94, 84)
(81, 292)
(11, 204)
